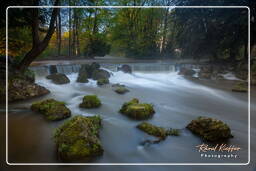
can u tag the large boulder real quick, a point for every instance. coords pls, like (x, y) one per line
(136, 110)
(125, 68)
(240, 87)
(90, 101)
(20, 89)
(58, 78)
(82, 77)
(210, 129)
(100, 74)
(78, 138)
(52, 110)
(88, 69)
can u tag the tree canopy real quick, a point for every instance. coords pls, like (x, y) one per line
(175, 32)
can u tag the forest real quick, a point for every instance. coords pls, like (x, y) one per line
(130, 32)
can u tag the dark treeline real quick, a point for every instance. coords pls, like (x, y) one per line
(219, 34)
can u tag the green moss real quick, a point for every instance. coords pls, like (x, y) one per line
(152, 129)
(90, 101)
(174, 132)
(102, 81)
(121, 90)
(137, 111)
(210, 129)
(240, 87)
(78, 137)
(82, 77)
(51, 109)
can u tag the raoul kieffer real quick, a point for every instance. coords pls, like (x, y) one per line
(217, 147)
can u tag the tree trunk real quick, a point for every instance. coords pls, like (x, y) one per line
(38, 46)
(77, 38)
(59, 34)
(73, 35)
(69, 32)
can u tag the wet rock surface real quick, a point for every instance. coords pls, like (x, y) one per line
(78, 138)
(52, 109)
(90, 101)
(136, 110)
(58, 78)
(210, 129)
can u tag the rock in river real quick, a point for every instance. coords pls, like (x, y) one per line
(153, 130)
(186, 71)
(125, 68)
(58, 78)
(19, 89)
(90, 101)
(100, 74)
(136, 110)
(51, 109)
(78, 138)
(210, 129)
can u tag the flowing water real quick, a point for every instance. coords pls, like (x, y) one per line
(176, 101)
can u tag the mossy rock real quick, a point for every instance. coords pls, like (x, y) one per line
(100, 74)
(82, 77)
(58, 78)
(78, 138)
(240, 87)
(51, 109)
(210, 129)
(153, 130)
(90, 101)
(136, 110)
(102, 81)
(121, 90)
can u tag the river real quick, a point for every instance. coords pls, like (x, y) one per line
(176, 100)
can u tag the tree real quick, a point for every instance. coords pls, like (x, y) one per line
(38, 45)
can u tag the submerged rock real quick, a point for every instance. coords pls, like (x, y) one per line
(125, 68)
(78, 138)
(51, 109)
(240, 87)
(136, 110)
(19, 89)
(210, 129)
(102, 81)
(90, 101)
(58, 78)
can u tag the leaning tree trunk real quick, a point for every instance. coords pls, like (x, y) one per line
(38, 45)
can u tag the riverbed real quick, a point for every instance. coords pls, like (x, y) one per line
(176, 99)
